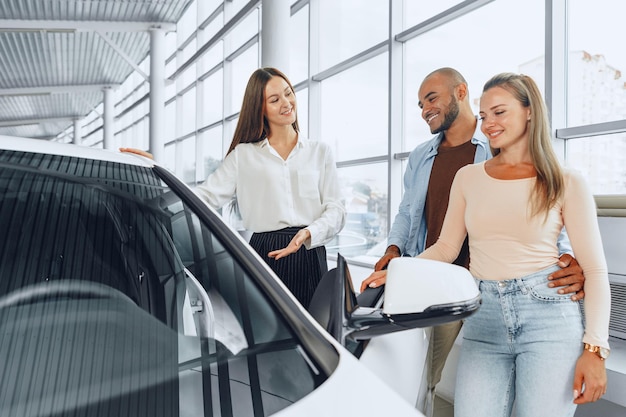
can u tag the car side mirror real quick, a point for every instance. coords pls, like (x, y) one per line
(418, 293)
(416, 285)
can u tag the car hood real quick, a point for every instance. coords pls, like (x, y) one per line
(351, 390)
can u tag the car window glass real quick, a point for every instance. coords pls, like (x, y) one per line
(113, 293)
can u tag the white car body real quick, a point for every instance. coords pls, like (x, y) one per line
(387, 380)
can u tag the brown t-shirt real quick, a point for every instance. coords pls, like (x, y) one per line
(447, 162)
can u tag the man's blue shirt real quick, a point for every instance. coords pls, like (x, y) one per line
(408, 231)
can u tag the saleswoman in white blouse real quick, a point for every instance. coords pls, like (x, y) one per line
(286, 186)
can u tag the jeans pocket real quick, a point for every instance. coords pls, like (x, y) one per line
(542, 292)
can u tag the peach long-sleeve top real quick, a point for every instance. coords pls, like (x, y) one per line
(506, 242)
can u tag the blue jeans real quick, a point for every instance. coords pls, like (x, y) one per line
(520, 346)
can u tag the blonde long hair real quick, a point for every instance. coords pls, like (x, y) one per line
(549, 185)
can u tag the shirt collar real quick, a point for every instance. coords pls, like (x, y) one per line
(301, 143)
(263, 143)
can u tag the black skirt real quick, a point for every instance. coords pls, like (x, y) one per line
(301, 271)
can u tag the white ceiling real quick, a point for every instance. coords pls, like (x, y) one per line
(56, 56)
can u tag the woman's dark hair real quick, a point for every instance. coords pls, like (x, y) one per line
(252, 125)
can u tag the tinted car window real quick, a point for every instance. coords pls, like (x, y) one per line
(116, 299)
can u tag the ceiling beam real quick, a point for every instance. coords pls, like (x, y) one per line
(12, 25)
(23, 122)
(57, 89)
(123, 54)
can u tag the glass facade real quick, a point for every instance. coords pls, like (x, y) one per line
(356, 66)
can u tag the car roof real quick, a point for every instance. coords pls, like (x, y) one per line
(55, 148)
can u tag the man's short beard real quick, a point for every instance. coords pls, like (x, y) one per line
(450, 117)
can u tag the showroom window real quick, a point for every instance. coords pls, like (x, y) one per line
(348, 27)
(343, 58)
(354, 110)
(212, 98)
(299, 46)
(478, 50)
(364, 194)
(595, 136)
(596, 88)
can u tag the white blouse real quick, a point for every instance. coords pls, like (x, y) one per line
(273, 193)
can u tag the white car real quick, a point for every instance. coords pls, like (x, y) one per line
(123, 294)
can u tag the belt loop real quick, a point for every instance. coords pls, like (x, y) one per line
(522, 285)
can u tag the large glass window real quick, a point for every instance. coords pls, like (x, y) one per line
(211, 151)
(299, 46)
(187, 112)
(416, 12)
(354, 110)
(170, 121)
(213, 56)
(596, 64)
(229, 130)
(602, 160)
(189, 75)
(364, 193)
(186, 160)
(211, 29)
(241, 69)
(596, 92)
(350, 107)
(302, 97)
(170, 87)
(206, 7)
(348, 27)
(243, 32)
(212, 98)
(478, 50)
(135, 136)
(187, 24)
(170, 156)
(233, 6)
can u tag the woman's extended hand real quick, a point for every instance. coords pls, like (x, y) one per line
(377, 279)
(137, 152)
(590, 371)
(293, 246)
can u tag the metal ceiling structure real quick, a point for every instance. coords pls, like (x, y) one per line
(57, 56)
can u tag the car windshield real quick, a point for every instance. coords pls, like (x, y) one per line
(117, 300)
